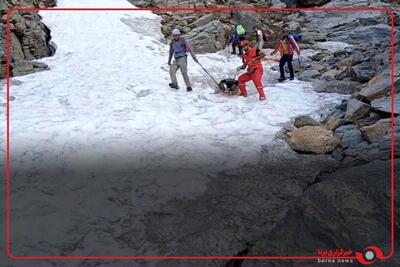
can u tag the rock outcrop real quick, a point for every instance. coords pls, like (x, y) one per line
(302, 121)
(354, 200)
(30, 38)
(356, 110)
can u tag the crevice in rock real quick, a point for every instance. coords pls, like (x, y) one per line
(239, 262)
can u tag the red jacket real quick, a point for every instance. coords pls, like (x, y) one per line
(293, 46)
(252, 53)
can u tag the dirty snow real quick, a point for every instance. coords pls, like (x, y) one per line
(107, 89)
(106, 100)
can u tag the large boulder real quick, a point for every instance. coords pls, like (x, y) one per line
(24, 67)
(350, 135)
(345, 86)
(29, 36)
(373, 35)
(377, 130)
(313, 139)
(210, 37)
(378, 87)
(384, 104)
(308, 75)
(33, 36)
(332, 123)
(356, 110)
(302, 121)
(363, 72)
(204, 20)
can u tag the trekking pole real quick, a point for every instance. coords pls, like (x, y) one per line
(208, 74)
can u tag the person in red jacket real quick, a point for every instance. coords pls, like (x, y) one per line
(252, 60)
(286, 46)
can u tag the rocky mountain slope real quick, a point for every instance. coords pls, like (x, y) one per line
(335, 190)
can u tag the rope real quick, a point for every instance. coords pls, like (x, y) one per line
(208, 74)
(229, 60)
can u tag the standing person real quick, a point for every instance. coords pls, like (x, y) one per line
(286, 46)
(252, 60)
(234, 39)
(259, 38)
(178, 48)
(238, 34)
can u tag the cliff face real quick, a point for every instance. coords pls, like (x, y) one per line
(30, 38)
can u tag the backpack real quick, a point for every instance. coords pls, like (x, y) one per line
(296, 36)
(240, 30)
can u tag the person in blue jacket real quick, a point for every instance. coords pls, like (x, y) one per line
(236, 39)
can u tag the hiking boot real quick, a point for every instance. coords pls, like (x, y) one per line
(291, 78)
(173, 86)
(233, 53)
(281, 79)
(262, 98)
(189, 89)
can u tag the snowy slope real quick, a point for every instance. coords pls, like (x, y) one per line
(105, 107)
(107, 88)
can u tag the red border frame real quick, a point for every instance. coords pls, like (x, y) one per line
(226, 9)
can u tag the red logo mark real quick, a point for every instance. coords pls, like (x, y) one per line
(369, 255)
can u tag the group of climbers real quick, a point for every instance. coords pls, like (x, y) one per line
(251, 53)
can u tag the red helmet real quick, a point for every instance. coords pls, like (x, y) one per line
(244, 43)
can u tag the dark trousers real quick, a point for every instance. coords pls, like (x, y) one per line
(236, 43)
(282, 62)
